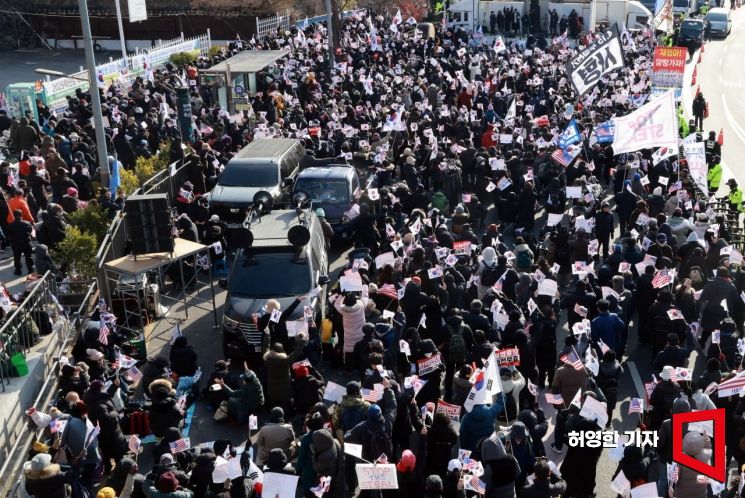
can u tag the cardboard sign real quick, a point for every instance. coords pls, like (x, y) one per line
(592, 409)
(452, 411)
(370, 476)
(428, 365)
(334, 392)
(279, 485)
(507, 357)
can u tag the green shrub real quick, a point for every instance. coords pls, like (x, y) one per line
(128, 181)
(184, 58)
(216, 50)
(77, 252)
(93, 220)
(144, 169)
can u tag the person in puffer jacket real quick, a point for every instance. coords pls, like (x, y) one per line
(163, 411)
(353, 318)
(479, 423)
(699, 447)
(537, 425)
(328, 460)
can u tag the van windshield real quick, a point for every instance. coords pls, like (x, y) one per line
(716, 17)
(680, 3)
(250, 175)
(322, 190)
(270, 274)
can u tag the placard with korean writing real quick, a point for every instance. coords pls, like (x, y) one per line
(668, 66)
(508, 357)
(428, 365)
(604, 55)
(452, 411)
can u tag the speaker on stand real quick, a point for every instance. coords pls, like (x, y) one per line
(149, 224)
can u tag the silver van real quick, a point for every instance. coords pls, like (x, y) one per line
(721, 21)
(269, 164)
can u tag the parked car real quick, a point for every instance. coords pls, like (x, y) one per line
(721, 22)
(691, 34)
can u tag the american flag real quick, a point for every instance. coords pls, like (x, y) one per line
(565, 157)
(635, 406)
(134, 375)
(134, 444)
(475, 484)
(181, 402)
(554, 399)
(673, 472)
(180, 445)
(603, 346)
(103, 334)
(54, 426)
(374, 394)
(92, 435)
(383, 459)
(661, 279)
(388, 290)
(572, 359)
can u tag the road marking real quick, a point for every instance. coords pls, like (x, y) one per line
(728, 115)
(640, 391)
(721, 61)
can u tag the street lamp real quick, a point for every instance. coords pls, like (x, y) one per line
(90, 62)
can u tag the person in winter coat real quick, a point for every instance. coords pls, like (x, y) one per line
(43, 261)
(637, 467)
(200, 479)
(352, 311)
(665, 443)
(712, 312)
(73, 379)
(19, 232)
(520, 446)
(101, 411)
(84, 460)
(580, 464)
(568, 380)
(183, 358)
(307, 386)
(546, 484)
(163, 411)
(275, 434)
(247, 399)
(351, 411)
(501, 470)
(664, 395)
(413, 302)
(157, 368)
(279, 386)
(608, 380)
(44, 479)
(124, 468)
(524, 256)
(608, 327)
(328, 460)
(167, 486)
(441, 437)
(689, 486)
(479, 423)
(375, 433)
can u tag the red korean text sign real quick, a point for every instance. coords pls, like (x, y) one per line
(668, 66)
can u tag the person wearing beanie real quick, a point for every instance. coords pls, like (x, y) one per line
(327, 457)
(307, 386)
(275, 434)
(167, 486)
(375, 434)
(661, 400)
(351, 411)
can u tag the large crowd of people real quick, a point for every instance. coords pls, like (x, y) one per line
(503, 291)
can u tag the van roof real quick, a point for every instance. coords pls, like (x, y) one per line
(272, 230)
(267, 148)
(330, 171)
(718, 10)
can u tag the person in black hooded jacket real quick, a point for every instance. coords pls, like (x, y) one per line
(183, 358)
(124, 468)
(164, 413)
(328, 460)
(101, 411)
(201, 475)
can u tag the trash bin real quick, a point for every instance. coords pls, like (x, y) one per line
(20, 367)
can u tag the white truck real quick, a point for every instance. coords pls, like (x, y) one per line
(629, 12)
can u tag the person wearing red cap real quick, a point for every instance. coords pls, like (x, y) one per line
(69, 201)
(308, 386)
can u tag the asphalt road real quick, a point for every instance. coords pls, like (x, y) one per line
(18, 65)
(721, 76)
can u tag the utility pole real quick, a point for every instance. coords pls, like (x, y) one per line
(329, 25)
(121, 30)
(90, 62)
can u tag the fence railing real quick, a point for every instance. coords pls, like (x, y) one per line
(268, 25)
(20, 330)
(10, 481)
(123, 71)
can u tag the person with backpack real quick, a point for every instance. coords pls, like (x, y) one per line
(459, 342)
(351, 411)
(523, 255)
(487, 272)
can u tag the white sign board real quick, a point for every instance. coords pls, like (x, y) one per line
(372, 476)
(137, 10)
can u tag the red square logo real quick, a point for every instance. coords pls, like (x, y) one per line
(719, 471)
